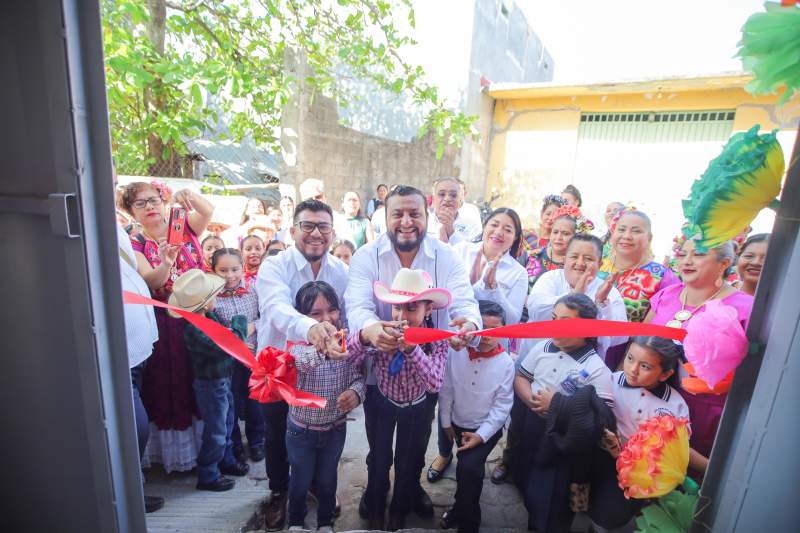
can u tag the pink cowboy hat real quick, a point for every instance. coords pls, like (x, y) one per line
(412, 286)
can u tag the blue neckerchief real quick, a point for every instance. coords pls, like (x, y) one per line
(397, 362)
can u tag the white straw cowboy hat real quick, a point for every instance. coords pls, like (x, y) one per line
(193, 289)
(412, 286)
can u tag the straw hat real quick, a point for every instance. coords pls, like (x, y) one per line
(193, 289)
(412, 286)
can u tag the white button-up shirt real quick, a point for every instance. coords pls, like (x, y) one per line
(141, 330)
(477, 393)
(553, 285)
(464, 229)
(512, 281)
(634, 405)
(378, 261)
(279, 278)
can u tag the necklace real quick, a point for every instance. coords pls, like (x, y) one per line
(173, 270)
(552, 256)
(684, 314)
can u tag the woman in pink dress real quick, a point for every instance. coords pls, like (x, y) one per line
(167, 389)
(703, 277)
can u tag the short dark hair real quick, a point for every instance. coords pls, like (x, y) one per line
(315, 206)
(670, 354)
(343, 242)
(307, 295)
(514, 250)
(579, 302)
(406, 190)
(490, 308)
(222, 252)
(588, 237)
(382, 185)
(210, 238)
(573, 190)
(754, 239)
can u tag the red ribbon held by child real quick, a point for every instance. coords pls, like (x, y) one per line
(274, 377)
(573, 327)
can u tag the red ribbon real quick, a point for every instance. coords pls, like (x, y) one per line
(273, 378)
(573, 327)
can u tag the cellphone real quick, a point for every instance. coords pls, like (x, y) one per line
(177, 221)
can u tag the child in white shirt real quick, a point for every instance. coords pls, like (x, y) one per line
(474, 402)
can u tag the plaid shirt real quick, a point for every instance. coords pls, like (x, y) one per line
(229, 305)
(420, 373)
(324, 377)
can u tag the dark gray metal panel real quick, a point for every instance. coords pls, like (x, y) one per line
(69, 450)
(752, 476)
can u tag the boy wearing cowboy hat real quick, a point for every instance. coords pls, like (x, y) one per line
(196, 291)
(409, 380)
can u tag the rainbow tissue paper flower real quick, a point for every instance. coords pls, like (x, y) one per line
(654, 461)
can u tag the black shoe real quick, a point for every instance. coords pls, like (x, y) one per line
(257, 453)
(423, 505)
(448, 520)
(236, 469)
(375, 522)
(220, 485)
(500, 473)
(238, 453)
(153, 503)
(396, 521)
(363, 510)
(434, 475)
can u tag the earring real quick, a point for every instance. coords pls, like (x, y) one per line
(718, 283)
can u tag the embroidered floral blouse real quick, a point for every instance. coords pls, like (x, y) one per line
(638, 285)
(189, 257)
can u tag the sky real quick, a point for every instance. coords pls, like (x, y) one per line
(609, 40)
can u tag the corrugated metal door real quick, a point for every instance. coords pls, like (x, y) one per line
(648, 159)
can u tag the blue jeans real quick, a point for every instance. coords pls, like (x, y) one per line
(215, 400)
(313, 455)
(246, 409)
(139, 413)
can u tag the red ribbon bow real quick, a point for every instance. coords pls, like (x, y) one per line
(273, 378)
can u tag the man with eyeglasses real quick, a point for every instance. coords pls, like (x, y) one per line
(279, 279)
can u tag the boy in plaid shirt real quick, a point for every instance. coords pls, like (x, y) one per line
(315, 436)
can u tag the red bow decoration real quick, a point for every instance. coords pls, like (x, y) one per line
(475, 354)
(548, 329)
(238, 291)
(274, 377)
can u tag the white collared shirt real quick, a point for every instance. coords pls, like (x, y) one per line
(549, 368)
(553, 285)
(634, 405)
(279, 278)
(378, 261)
(477, 393)
(141, 330)
(512, 281)
(464, 228)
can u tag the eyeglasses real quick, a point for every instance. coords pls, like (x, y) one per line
(309, 227)
(155, 201)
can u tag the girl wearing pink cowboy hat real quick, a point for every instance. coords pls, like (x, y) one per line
(408, 381)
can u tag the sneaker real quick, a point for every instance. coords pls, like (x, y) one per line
(297, 528)
(326, 529)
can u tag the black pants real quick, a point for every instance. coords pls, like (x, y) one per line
(370, 412)
(139, 413)
(469, 481)
(277, 462)
(518, 412)
(246, 409)
(413, 425)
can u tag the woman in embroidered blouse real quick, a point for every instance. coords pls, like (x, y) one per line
(167, 390)
(566, 221)
(703, 276)
(532, 241)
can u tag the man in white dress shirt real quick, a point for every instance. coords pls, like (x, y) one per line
(447, 223)
(141, 333)
(279, 279)
(406, 244)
